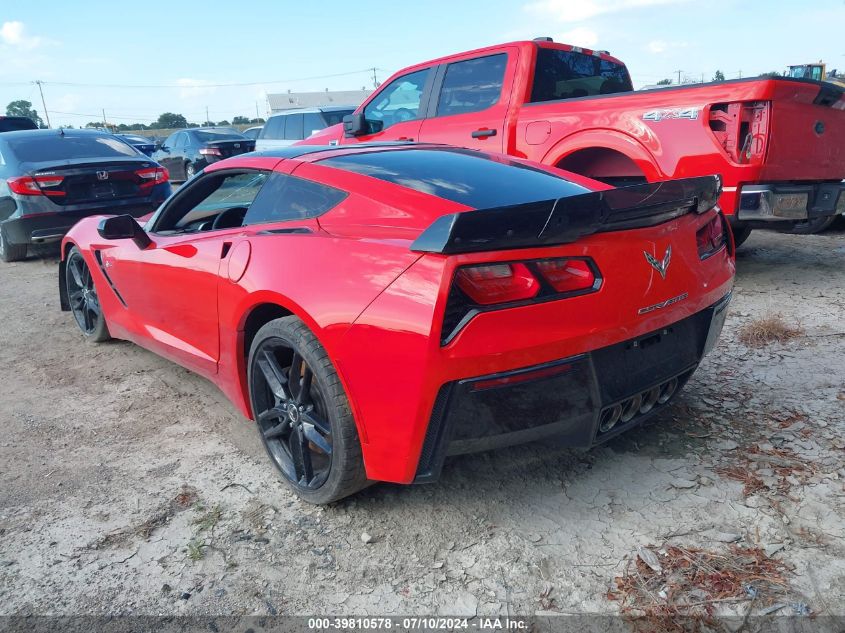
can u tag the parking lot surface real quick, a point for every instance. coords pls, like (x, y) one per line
(129, 485)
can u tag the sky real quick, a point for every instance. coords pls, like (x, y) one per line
(138, 62)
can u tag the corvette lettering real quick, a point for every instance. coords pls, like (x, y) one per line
(663, 304)
(691, 114)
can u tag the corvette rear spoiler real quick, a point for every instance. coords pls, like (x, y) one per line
(565, 220)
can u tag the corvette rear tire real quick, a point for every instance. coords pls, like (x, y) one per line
(11, 252)
(302, 413)
(83, 298)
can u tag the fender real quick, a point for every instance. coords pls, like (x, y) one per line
(607, 139)
(234, 384)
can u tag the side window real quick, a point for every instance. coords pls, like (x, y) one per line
(472, 85)
(223, 199)
(290, 198)
(181, 140)
(398, 102)
(274, 128)
(170, 141)
(293, 127)
(313, 123)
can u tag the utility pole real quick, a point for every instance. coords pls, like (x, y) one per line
(740, 74)
(257, 116)
(375, 79)
(206, 115)
(43, 103)
(105, 123)
(679, 76)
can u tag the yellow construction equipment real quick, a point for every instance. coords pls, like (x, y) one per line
(818, 72)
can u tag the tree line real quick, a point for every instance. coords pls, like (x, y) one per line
(166, 120)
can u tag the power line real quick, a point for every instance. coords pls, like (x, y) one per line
(203, 85)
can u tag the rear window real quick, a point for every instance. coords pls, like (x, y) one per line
(209, 136)
(41, 148)
(567, 75)
(470, 178)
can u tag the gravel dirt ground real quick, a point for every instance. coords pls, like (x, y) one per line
(130, 486)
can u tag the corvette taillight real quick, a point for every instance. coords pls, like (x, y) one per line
(741, 128)
(497, 283)
(482, 287)
(711, 237)
(36, 186)
(567, 275)
(152, 176)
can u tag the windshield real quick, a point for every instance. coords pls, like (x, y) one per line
(567, 75)
(32, 149)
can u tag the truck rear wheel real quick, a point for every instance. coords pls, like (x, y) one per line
(808, 227)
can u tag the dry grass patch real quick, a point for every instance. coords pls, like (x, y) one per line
(768, 329)
(671, 588)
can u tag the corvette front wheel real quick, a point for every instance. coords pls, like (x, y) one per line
(302, 413)
(84, 302)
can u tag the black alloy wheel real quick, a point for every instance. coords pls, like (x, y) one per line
(83, 298)
(302, 413)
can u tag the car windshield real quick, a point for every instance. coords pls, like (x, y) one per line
(464, 176)
(335, 116)
(564, 74)
(41, 148)
(209, 136)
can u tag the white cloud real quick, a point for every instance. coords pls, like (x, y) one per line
(14, 34)
(578, 10)
(661, 46)
(580, 36)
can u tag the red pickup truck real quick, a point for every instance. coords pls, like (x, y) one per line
(779, 144)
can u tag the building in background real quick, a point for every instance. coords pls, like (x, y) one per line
(295, 100)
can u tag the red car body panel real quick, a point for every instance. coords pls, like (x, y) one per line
(375, 305)
(640, 134)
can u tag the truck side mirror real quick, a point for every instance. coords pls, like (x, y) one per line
(354, 124)
(123, 227)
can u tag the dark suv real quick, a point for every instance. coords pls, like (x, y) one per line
(49, 179)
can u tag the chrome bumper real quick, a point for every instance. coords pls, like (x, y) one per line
(791, 202)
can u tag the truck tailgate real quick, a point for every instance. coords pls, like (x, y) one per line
(807, 133)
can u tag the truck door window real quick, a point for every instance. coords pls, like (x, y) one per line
(274, 128)
(398, 102)
(472, 85)
(293, 127)
(564, 74)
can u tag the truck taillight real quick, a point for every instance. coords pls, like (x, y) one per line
(36, 186)
(741, 128)
(482, 287)
(711, 237)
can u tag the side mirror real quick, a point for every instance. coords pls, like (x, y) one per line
(354, 124)
(123, 227)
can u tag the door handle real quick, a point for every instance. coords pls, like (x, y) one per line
(483, 133)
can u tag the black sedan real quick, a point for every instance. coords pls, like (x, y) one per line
(141, 143)
(49, 179)
(186, 152)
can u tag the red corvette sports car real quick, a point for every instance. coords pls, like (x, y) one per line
(377, 308)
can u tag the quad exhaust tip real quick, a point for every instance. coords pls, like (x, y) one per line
(640, 404)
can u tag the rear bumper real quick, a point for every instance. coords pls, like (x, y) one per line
(786, 202)
(43, 228)
(584, 400)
